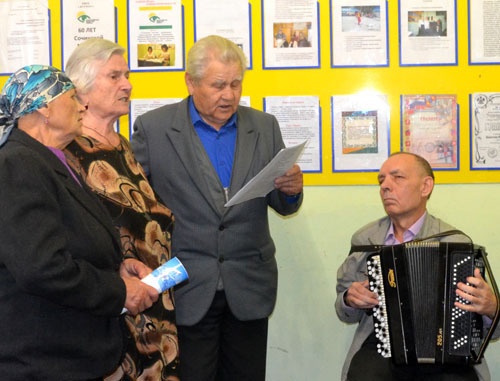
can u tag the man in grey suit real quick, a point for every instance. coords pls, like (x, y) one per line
(406, 183)
(197, 154)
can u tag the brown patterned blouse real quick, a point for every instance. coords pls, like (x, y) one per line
(145, 226)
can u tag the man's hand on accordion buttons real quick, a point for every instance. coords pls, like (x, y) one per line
(479, 294)
(359, 296)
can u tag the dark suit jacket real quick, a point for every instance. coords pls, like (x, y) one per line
(213, 241)
(60, 292)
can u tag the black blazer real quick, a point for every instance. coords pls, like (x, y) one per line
(60, 292)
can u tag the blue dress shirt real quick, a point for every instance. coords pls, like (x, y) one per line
(219, 145)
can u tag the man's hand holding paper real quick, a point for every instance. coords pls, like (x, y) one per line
(272, 177)
(291, 182)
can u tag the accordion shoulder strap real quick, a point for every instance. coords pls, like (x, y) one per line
(443, 234)
(374, 248)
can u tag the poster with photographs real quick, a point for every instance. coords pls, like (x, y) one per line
(430, 128)
(156, 39)
(485, 130)
(360, 125)
(428, 32)
(290, 34)
(359, 33)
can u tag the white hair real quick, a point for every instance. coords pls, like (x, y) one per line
(213, 47)
(86, 59)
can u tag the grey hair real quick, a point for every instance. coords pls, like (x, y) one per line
(213, 47)
(86, 59)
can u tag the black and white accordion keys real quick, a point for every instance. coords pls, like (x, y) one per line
(416, 320)
(380, 320)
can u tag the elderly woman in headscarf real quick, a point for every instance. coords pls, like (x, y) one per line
(63, 281)
(105, 161)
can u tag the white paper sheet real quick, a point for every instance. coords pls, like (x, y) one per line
(263, 182)
(24, 34)
(226, 18)
(484, 32)
(140, 106)
(298, 117)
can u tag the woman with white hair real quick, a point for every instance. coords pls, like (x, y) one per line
(105, 161)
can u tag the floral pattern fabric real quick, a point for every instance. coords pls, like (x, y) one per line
(145, 227)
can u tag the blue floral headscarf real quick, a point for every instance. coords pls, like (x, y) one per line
(27, 90)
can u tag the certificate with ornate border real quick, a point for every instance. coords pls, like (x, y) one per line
(430, 128)
(485, 130)
(360, 132)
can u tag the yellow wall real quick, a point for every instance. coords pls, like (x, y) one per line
(325, 82)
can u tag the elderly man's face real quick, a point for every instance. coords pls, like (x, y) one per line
(218, 93)
(404, 188)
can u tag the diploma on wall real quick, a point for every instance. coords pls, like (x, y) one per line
(430, 128)
(485, 131)
(263, 182)
(360, 125)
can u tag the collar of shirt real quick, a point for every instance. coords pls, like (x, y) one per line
(219, 145)
(60, 155)
(197, 119)
(411, 233)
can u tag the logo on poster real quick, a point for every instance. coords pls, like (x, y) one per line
(155, 19)
(84, 18)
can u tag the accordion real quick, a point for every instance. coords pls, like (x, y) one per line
(416, 321)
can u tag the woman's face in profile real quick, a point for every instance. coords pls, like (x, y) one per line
(110, 95)
(65, 115)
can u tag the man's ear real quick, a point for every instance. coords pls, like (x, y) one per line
(189, 83)
(428, 186)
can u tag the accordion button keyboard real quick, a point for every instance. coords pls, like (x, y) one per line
(376, 285)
